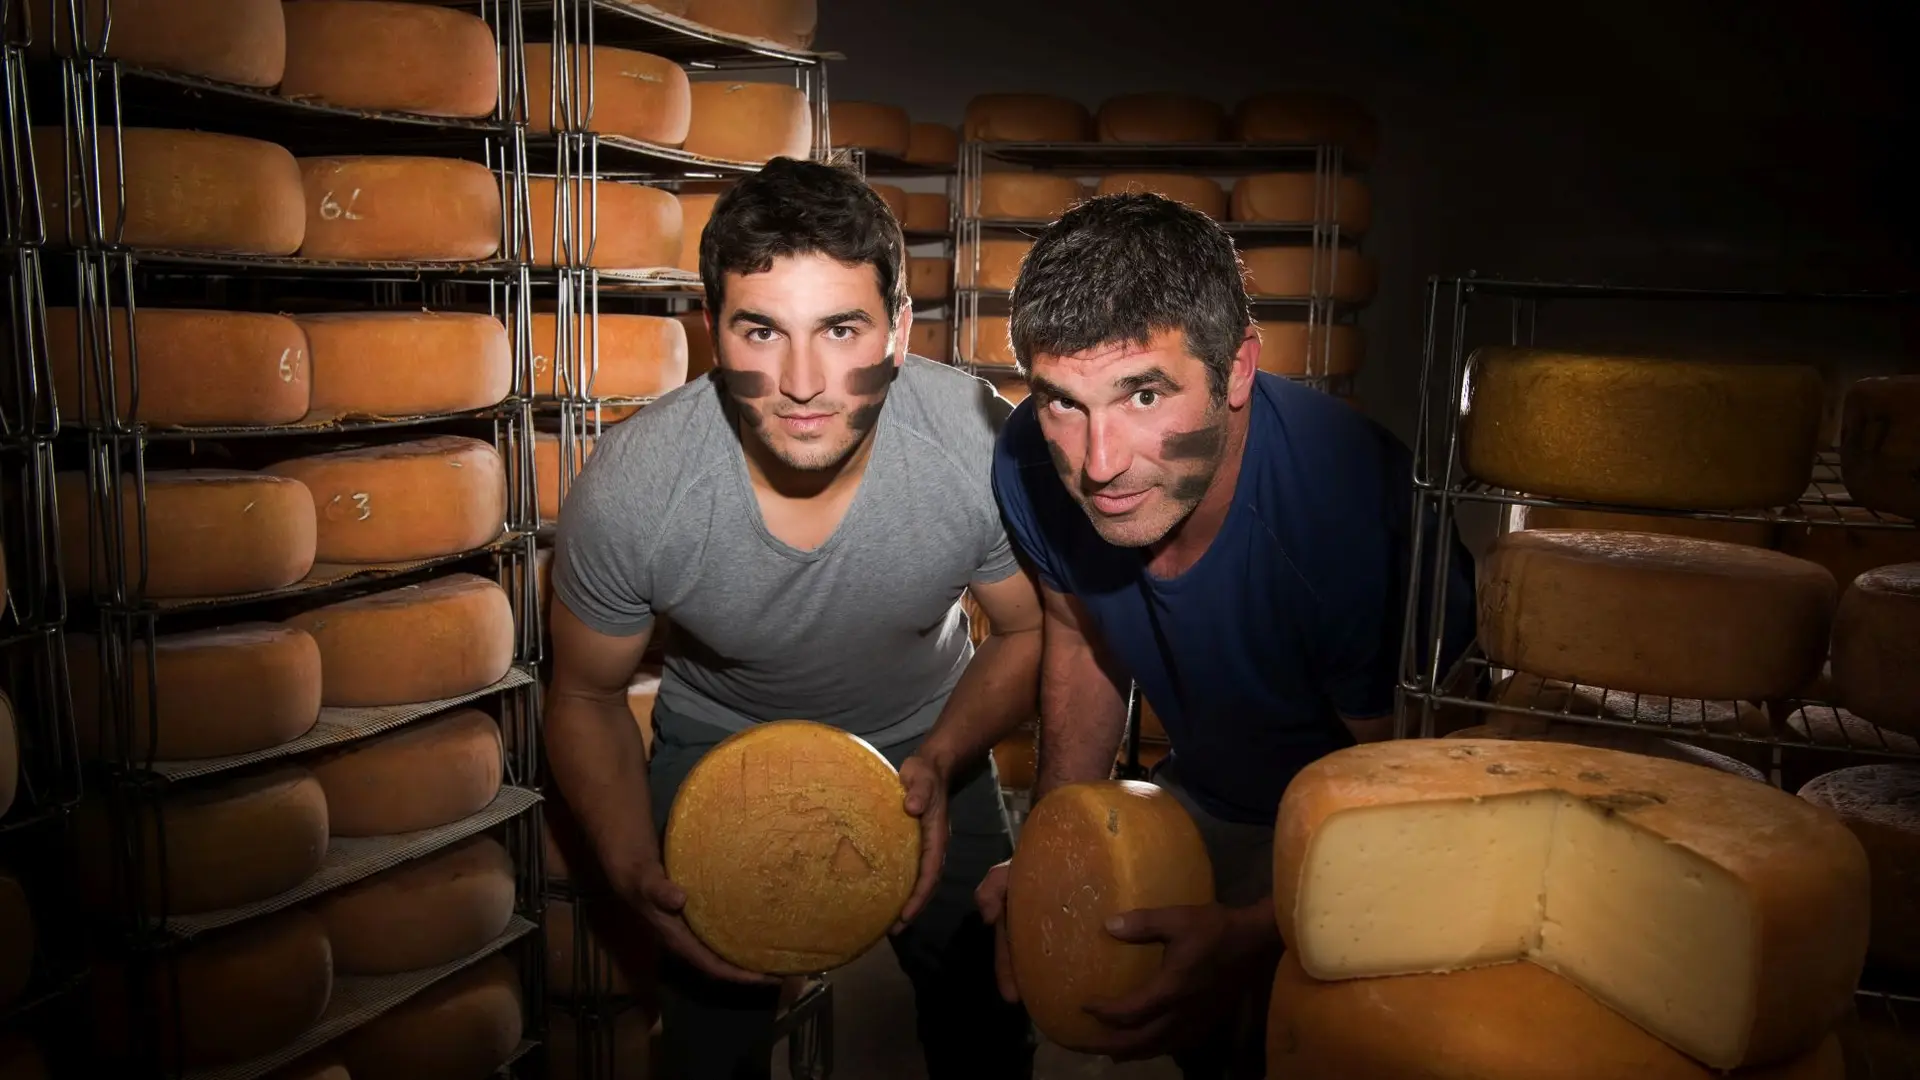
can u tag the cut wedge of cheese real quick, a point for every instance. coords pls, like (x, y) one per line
(1751, 533)
(196, 367)
(1881, 804)
(400, 209)
(788, 23)
(190, 191)
(387, 364)
(881, 129)
(441, 638)
(17, 945)
(794, 846)
(635, 95)
(209, 532)
(464, 1027)
(430, 773)
(1348, 276)
(199, 715)
(391, 57)
(624, 356)
(1026, 118)
(1681, 435)
(1301, 197)
(1724, 917)
(1506, 1022)
(1297, 349)
(431, 911)
(1016, 196)
(1159, 118)
(1200, 192)
(1666, 615)
(396, 502)
(1876, 648)
(746, 121)
(609, 225)
(1088, 852)
(933, 144)
(243, 42)
(1880, 444)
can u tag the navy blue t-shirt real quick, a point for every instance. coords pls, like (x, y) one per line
(1290, 619)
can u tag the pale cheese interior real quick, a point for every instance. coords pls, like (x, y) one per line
(1664, 936)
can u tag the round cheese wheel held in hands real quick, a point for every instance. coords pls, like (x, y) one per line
(209, 532)
(1876, 648)
(444, 637)
(1678, 435)
(430, 773)
(391, 57)
(1087, 852)
(794, 846)
(1725, 917)
(1880, 444)
(1665, 615)
(396, 502)
(1881, 804)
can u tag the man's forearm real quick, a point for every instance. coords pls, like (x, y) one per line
(994, 697)
(598, 758)
(1082, 716)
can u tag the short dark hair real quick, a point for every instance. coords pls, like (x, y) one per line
(1120, 268)
(793, 207)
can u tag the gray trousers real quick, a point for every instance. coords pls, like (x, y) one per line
(715, 1030)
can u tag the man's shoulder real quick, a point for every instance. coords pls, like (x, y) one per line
(664, 440)
(949, 407)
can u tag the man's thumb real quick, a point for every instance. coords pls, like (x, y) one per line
(666, 896)
(1137, 926)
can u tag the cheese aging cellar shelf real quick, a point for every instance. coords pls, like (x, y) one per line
(637, 26)
(1175, 157)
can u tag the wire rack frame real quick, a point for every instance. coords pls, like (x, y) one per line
(1319, 307)
(33, 667)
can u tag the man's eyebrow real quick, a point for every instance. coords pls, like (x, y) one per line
(753, 318)
(851, 315)
(1153, 378)
(1040, 384)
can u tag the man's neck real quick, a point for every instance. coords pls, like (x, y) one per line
(1176, 553)
(774, 477)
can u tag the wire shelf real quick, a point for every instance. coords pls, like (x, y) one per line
(237, 265)
(1222, 157)
(1895, 1053)
(13, 1014)
(620, 157)
(356, 858)
(358, 1000)
(170, 93)
(339, 426)
(697, 47)
(878, 164)
(1234, 228)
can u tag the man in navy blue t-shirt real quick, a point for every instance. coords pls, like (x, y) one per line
(1236, 544)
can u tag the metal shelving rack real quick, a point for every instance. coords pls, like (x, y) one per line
(1327, 162)
(932, 243)
(108, 442)
(578, 292)
(1442, 485)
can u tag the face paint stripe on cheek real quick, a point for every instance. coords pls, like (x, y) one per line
(1060, 463)
(747, 384)
(872, 379)
(864, 417)
(1191, 489)
(1202, 443)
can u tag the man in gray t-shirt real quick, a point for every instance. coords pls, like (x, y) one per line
(807, 518)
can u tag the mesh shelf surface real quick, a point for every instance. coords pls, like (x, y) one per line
(345, 425)
(166, 91)
(350, 859)
(1885, 1041)
(358, 1000)
(322, 577)
(1224, 157)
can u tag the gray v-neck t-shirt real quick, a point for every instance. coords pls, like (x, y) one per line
(864, 632)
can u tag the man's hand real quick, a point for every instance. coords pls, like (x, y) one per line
(1209, 950)
(926, 783)
(660, 901)
(991, 897)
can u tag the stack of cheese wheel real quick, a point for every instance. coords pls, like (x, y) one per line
(196, 367)
(1501, 909)
(1087, 852)
(1881, 805)
(608, 355)
(1880, 444)
(1293, 349)
(749, 121)
(634, 95)
(428, 774)
(434, 910)
(794, 846)
(696, 209)
(466, 1025)
(554, 471)
(400, 209)
(612, 225)
(927, 212)
(390, 57)
(442, 638)
(398, 502)
(242, 42)
(870, 126)
(1294, 198)
(929, 279)
(401, 363)
(1876, 648)
(789, 24)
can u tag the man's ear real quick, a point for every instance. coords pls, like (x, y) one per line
(902, 333)
(1246, 362)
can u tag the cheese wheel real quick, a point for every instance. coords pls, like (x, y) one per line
(1026, 118)
(428, 774)
(1087, 852)
(612, 953)
(444, 637)
(20, 1059)
(196, 367)
(1014, 196)
(1159, 118)
(199, 715)
(9, 755)
(999, 266)
(635, 95)
(1880, 444)
(234, 842)
(1151, 727)
(1834, 737)
(243, 42)
(190, 191)
(927, 212)
(1348, 276)
(396, 502)
(1295, 349)
(1881, 805)
(462, 1028)
(1548, 695)
(1200, 192)
(1612, 738)
(1725, 917)
(620, 1047)
(1659, 433)
(930, 339)
(1751, 533)
(1848, 552)
(933, 144)
(1014, 760)
(1505, 1022)
(1876, 648)
(990, 344)
(929, 278)
(1296, 197)
(400, 209)
(638, 356)
(390, 57)
(747, 121)
(246, 992)
(699, 343)
(1305, 118)
(209, 532)
(16, 940)
(421, 914)
(695, 211)
(894, 196)
(790, 23)
(406, 363)
(1652, 614)
(879, 129)
(794, 847)
(548, 466)
(614, 226)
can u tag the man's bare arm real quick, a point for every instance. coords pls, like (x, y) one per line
(1083, 704)
(997, 692)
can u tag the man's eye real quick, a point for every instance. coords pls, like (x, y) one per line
(1146, 398)
(753, 334)
(840, 333)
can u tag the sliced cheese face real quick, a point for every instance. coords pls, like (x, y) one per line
(794, 846)
(1723, 916)
(1880, 444)
(1876, 648)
